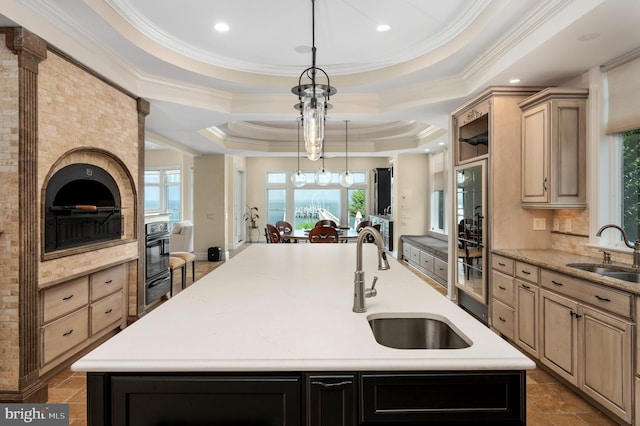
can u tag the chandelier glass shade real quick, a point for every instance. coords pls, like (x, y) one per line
(298, 178)
(323, 176)
(313, 100)
(346, 177)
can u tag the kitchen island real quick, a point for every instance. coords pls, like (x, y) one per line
(269, 338)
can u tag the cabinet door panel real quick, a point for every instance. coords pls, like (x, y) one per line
(607, 360)
(559, 335)
(535, 141)
(527, 318)
(331, 400)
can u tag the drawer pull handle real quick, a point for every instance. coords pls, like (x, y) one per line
(332, 385)
(502, 319)
(502, 264)
(602, 299)
(525, 286)
(501, 288)
(69, 297)
(108, 282)
(68, 332)
(573, 314)
(109, 311)
(525, 272)
(558, 283)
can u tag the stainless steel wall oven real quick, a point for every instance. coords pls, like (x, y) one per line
(158, 278)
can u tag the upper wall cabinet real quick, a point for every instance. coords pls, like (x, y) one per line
(472, 134)
(554, 149)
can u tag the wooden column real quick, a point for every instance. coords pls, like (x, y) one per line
(143, 111)
(31, 50)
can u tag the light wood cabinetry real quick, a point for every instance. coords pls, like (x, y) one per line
(514, 303)
(77, 312)
(425, 262)
(554, 149)
(580, 330)
(586, 338)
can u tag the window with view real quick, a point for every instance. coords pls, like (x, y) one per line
(162, 193)
(313, 202)
(631, 183)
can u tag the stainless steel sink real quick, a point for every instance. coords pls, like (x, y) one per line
(415, 333)
(618, 272)
(598, 268)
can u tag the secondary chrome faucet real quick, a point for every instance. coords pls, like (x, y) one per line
(635, 246)
(360, 293)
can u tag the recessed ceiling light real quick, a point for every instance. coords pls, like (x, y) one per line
(383, 27)
(221, 27)
(514, 80)
(441, 143)
(427, 150)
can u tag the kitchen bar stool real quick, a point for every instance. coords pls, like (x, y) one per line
(175, 263)
(188, 258)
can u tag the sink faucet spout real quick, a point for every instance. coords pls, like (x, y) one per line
(635, 246)
(360, 293)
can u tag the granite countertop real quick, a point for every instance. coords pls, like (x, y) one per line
(288, 307)
(557, 260)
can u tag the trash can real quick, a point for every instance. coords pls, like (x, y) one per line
(214, 254)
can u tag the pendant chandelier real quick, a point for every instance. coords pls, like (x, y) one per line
(298, 179)
(323, 176)
(346, 177)
(313, 100)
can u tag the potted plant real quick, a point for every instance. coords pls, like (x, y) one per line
(251, 215)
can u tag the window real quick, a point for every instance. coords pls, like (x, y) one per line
(437, 184)
(631, 183)
(276, 205)
(162, 193)
(303, 207)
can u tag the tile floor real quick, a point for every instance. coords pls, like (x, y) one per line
(549, 402)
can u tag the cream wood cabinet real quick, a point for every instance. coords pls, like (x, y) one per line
(554, 149)
(514, 303)
(586, 336)
(77, 312)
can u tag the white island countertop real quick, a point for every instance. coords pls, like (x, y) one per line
(288, 307)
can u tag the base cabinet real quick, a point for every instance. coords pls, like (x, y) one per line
(310, 399)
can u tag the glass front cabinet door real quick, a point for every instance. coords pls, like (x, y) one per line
(470, 214)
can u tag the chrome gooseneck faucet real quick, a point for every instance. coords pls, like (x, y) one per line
(360, 293)
(635, 246)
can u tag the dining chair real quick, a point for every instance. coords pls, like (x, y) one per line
(323, 234)
(273, 235)
(326, 222)
(362, 224)
(285, 228)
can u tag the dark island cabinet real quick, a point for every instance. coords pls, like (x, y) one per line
(307, 398)
(331, 400)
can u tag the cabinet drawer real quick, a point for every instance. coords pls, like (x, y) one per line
(527, 272)
(596, 295)
(106, 312)
(406, 251)
(415, 255)
(502, 264)
(65, 298)
(503, 288)
(427, 261)
(62, 335)
(440, 268)
(107, 282)
(502, 318)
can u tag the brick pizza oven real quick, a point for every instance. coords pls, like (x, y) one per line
(71, 162)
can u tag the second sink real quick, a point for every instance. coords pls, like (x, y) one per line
(618, 272)
(415, 333)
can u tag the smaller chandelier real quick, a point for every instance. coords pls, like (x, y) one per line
(313, 100)
(346, 177)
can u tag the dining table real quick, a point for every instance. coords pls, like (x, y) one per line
(344, 235)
